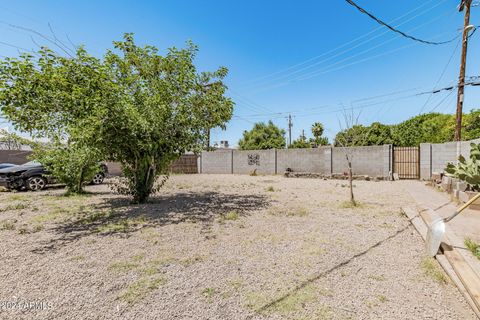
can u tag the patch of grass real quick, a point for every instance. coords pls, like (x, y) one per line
(96, 216)
(14, 206)
(191, 260)
(138, 257)
(473, 247)
(122, 266)
(299, 212)
(121, 226)
(138, 290)
(349, 205)
(150, 271)
(231, 215)
(377, 277)
(291, 303)
(271, 189)
(17, 197)
(209, 292)
(382, 298)
(38, 227)
(236, 283)
(78, 258)
(7, 224)
(323, 313)
(163, 259)
(430, 268)
(50, 216)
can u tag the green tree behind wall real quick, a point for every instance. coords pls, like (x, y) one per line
(263, 136)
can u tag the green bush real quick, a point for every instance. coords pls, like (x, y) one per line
(74, 165)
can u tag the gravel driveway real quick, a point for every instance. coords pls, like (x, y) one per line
(220, 247)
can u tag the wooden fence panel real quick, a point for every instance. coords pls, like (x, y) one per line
(187, 163)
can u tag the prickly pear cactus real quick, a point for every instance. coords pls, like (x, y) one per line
(467, 170)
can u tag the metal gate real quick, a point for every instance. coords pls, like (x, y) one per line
(406, 162)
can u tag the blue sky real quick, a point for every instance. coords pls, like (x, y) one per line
(309, 58)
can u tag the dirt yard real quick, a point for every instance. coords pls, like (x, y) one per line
(220, 247)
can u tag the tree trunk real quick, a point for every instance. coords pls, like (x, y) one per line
(350, 181)
(145, 174)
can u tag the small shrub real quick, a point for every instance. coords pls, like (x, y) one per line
(208, 292)
(72, 164)
(270, 189)
(473, 247)
(231, 215)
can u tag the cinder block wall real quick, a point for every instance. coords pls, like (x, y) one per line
(246, 161)
(14, 156)
(434, 157)
(219, 161)
(372, 160)
(304, 160)
(425, 160)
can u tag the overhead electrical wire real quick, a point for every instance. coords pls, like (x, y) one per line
(340, 64)
(351, 41)
(441, 76)
(396, 30)
(278, 115)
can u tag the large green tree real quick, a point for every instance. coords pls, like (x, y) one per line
(424, 128)
(429, 127)
(135, 106)
(471, 125)
(263, 136)
(51, 96)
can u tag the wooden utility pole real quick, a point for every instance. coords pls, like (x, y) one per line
(290, 125)
(464, 4)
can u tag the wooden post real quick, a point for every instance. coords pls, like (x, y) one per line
(465, 4)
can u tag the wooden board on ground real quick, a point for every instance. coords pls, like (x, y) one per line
(452, 262)
(466, 274)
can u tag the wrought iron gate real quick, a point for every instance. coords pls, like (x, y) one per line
(406, 162)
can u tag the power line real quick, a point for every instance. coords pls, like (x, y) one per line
(278, 115)
(441, 76)
(350, 42)
(442, 101)
(328, 68)
(396, 30)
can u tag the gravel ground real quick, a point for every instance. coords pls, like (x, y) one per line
(220, 247)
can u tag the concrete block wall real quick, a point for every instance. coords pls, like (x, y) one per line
(371, 160)
(425, 161)
(14, 156)
(265, 161)
(219, 161)
(315, 160)
(434, 157)
(442, 154)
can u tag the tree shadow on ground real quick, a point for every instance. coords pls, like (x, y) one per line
(116, 216)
